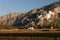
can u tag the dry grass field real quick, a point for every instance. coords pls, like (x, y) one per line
(27, 34)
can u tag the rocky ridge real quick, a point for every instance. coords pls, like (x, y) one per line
(35, 17)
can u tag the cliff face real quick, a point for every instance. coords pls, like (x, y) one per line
(36, 17)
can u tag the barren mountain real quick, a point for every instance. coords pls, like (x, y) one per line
(36, 17)
(10, 18)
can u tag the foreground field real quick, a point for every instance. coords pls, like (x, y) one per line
(27, 38)
(27, 34)
(29, 31)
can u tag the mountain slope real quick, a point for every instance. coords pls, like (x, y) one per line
(10, 18)
(37, 17)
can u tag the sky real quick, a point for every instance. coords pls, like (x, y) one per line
(8, 6)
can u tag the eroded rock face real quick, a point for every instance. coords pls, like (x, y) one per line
(31, 18)
(9, 19)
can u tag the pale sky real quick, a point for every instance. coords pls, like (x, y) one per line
(8, 6)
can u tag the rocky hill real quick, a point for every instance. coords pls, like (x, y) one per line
(37, 17)
(9, 18)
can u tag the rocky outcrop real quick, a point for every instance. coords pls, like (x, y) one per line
(9, 19)
(36, 17)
